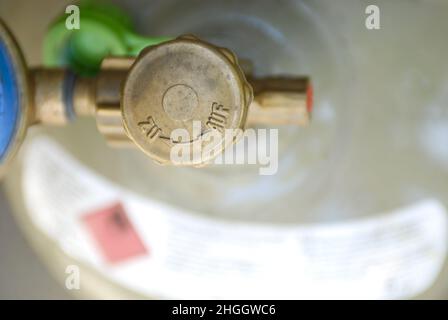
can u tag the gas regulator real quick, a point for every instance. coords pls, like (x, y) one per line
(140, 101)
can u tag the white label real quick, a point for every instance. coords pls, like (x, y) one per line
(393, 255)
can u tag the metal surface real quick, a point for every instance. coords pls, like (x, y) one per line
(49, 98)
(107, 100)
(280, 101)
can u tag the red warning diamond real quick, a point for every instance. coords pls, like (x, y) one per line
(114, 233)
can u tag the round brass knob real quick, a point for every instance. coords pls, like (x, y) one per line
(183, 84)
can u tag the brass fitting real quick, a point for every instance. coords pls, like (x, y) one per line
(141, 101)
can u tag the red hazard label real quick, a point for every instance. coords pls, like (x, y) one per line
(114, 233)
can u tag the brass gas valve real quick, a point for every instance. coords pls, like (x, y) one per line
(169, 86)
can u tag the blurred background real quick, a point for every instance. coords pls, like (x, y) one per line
(22, 274)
